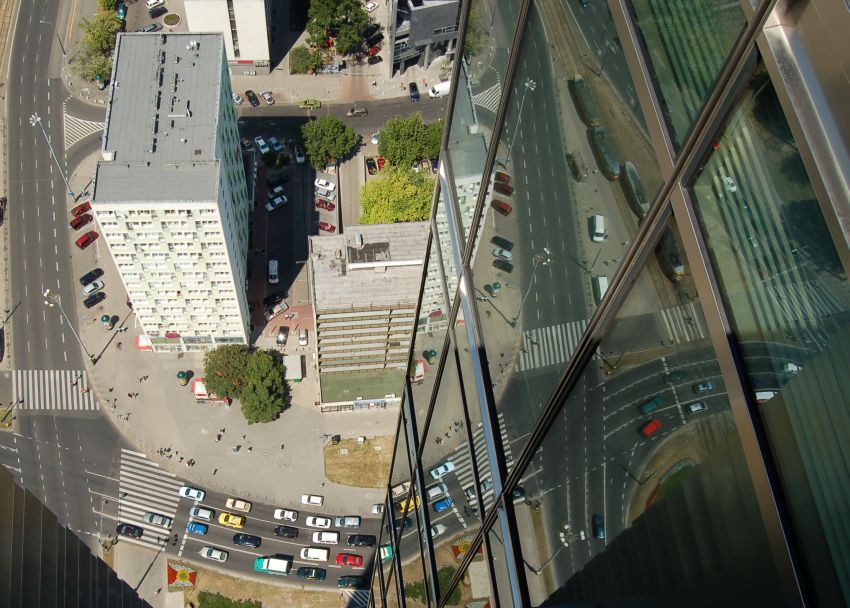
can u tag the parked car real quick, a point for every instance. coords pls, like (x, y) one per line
(408, 504)
(275, 310)
(374, 40)
(501, 176)
(286, 514)
(371, 29)
(695, 408)
(502, 242)
(349, 559)
(214, 554)
(247, 540)
(501, 206)
(252, 98)
(327, 227)
(274, 298)
(129, 530)
(347, 521)
(323, 204)
(312, 499)
(374, 50)
(92, 287)
(370, 6)
(261, 144)
(275, 144)
(374, 59)
(286, 532)
(371, 166)
(361, 540)
(312, 574)
(703, 387)
(232, 521)
(94, 299)
(79, 222)
(299, 155)
(442, 505)
(503, 254)
(90, 276)
(282, 335)
(237, 99)
(157, 519)
(503, 188)
(447, 467)
(350, 581)
(237, 504)
(196, 527)
(80, 209)
(503, 265)
(192, 493)
(649, 428)
(267, 97)
(437, 529)
(414, 91)
(325, 194)
(323, 183)
(356, 111)
(247, 144)
(315, 521)
(276, 203)
(381, 162)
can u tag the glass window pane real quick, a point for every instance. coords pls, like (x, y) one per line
(557, 223)
(450, 268)
(482, 70)
(788, 299)
(642, 478)
(687, 44)
(498, 562)
(400, 475)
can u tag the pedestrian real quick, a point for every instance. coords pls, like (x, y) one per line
(501, 354)
(181, 460)
(250, 448)
(130, 395)
(140, 379)
(117, 346)
(111, 388)
(215, 471)
(323, 484)
(218, 437)
(158, 591)
(243, 436)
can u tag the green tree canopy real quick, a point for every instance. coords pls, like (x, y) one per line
(327, 138)
(349, 40)
(302, 60)
(433, 138)
(216, 600)
(348, 16)
(108, 5)
(406, 140)
(88, 65)
(264, 393)
(397, 195)
(225, 370)
(100, 32)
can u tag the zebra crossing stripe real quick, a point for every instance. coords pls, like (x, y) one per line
(489, 98)
(144, 487)
(76, 129)
(52, 390)
(357, 598)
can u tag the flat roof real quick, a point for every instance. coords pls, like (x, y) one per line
(162, 119)
(369, 265)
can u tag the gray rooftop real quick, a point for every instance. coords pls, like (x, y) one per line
(162, 119)
(382, 269)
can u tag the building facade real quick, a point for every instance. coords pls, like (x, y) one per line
(639, 388)
(170, 194)
(423, 30)
(244, 24)
(364, 286)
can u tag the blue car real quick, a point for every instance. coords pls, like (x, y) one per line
(194, 527)
(442, 505)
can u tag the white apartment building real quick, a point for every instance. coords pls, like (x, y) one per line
(244, 25)
(170, 194)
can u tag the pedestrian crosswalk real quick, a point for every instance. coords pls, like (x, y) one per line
(551, 345)
(53, 389)
(489, 98)
(143, 487)
(461, 457)
(684, 323)
(357, 597)
(76, 129)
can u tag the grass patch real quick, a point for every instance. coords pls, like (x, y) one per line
(675, 479)
(365, 465)
(216, 600)
(444, 576)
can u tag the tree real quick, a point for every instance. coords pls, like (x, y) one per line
(88, 65)
(108, 5)
(321, 17)
(302, 60)
(327, 138)
(347, 16)
(100, 32)
(402, 140)
(397, 195)
(225, 370)
(263, 396)
(433, 139)
(349, 40)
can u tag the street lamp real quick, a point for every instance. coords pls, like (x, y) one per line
(540, 259)
(61, 46)
(35, 119)
(52, 299)
(528, 85)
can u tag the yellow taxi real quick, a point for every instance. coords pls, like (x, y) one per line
(229, 519)
(408, 504)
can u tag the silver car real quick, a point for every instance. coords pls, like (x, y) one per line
(157, 519)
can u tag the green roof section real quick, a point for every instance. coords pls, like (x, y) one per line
(360, 385)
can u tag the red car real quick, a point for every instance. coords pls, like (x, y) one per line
(501, 206)
(650, 427)
(503, 177)
(79, 222)
(381, 162)
(80, 209)
(503, 188)
(87, 239)
(374, 50)
(323, 204)
(327, 227)
(349, 559)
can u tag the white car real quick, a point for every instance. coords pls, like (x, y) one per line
(503, 254)
(323, 183)
(274, 142)
(326, 194)
(214, 554)
(261, 144)
(157, 519)
(436, 491)
(237, 504)
(437, 529)
(370, 6)
(318, 522)
(447, 467)
(276, 202)
(267, 96)
(699, 406)
(312, 499)
(190, 492)
(92, 287)
(286, 514)
(326, 538)
(376, 137)
(237, 99)
(347, 521)
(730, 184)
(299, 156)
(377, 509)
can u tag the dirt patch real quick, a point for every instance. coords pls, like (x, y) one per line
(362, 465)
(271, 596)
(444, 556)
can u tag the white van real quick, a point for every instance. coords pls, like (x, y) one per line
(302, 337)
(597, 229)
(273, 278)
(326, 538)
(440, 89)
(202, 513)
(315, 554)
(600, 286)
(273, 564)
(154, 3)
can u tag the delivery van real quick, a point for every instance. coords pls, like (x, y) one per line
(273, 276)
(597, 228)
(600, 286)
(440, 89)
(273, 564)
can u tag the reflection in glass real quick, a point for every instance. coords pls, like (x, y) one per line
(400, 474)
(688, 43)
(574, 176)
(642, 470)
(788, 299)
(500, 567)
(482, 71)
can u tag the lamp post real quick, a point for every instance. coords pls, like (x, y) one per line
(61, 46)
(540, 259)
(528, 85)
(52, 299)
(35, 119)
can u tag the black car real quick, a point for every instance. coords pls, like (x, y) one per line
(150, 27)
(361, 540)
(503, 265)
(274, 298)
(598, 527)
(252, 98)
(375, 39)
(286, 532)
(374, 59)
(502, 242)
(90, 276)
(247, 540)
(370, 31)
(157, 12)
(350, 581)
(313, 574)
(414, 91)
(401, 524)
(94, 300)
(129, 530)
(247, 144)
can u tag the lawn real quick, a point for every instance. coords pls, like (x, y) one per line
(365, 465)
